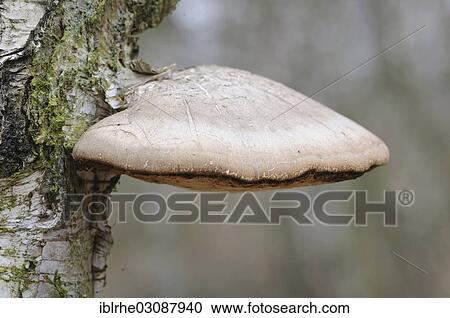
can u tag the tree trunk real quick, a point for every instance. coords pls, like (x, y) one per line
(61, 69)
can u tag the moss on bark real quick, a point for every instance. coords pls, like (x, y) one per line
(71, 60)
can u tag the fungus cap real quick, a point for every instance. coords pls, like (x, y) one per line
(212, 128)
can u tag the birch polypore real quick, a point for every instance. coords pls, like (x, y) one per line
(212, 128)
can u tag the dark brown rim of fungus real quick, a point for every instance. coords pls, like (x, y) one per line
(211, 128)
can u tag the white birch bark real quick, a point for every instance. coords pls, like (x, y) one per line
(59, 72)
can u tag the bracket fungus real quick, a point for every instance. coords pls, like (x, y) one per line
(213, 128)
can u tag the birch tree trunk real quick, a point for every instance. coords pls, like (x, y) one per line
(61, 64)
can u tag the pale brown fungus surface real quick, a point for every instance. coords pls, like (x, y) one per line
(212, 128)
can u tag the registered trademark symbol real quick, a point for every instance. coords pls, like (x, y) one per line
(405, 197)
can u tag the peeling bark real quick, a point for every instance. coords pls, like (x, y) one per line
(61, 69)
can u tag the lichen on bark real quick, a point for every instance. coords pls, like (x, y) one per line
(56, 68)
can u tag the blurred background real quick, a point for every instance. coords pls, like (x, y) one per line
(402, 96)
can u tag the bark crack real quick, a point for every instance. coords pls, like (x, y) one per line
(56, 59)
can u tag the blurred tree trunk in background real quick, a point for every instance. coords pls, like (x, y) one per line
(59, 72)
